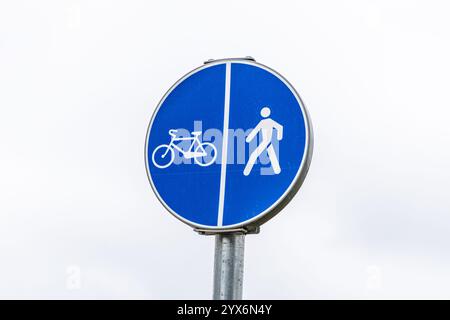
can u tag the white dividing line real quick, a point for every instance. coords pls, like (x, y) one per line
(226, 116)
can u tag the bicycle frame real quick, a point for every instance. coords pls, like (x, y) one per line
(189, 151)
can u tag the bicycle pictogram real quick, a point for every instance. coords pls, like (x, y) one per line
(203, 153)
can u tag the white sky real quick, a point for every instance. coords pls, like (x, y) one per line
(79, 81)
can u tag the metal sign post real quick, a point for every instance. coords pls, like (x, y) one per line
(229, 262)
(227, 148)
(229, 266)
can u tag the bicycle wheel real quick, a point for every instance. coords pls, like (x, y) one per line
(210, 154)
(163, 156)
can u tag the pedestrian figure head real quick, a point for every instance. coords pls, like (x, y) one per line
(265, 112)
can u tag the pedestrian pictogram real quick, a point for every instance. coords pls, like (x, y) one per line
(266, 127)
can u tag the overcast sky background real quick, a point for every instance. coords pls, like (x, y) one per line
(79, 81)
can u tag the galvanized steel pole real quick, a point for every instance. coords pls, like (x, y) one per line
(229, 266)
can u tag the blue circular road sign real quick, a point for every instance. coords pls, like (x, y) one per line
(229, 145)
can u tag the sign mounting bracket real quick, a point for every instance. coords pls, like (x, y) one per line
(245, 230)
